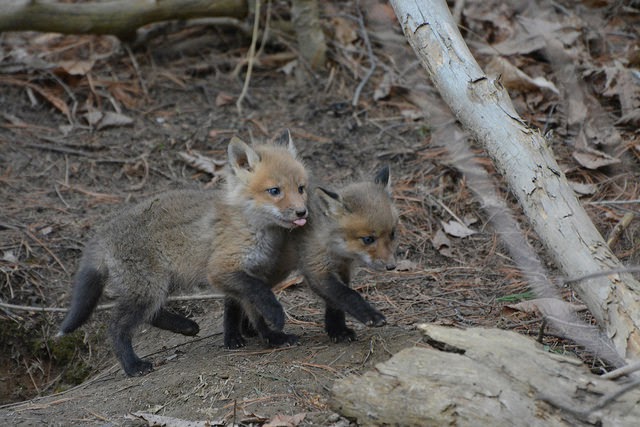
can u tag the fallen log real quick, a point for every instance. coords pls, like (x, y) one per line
(478, 377)
(119, 18)
(522, 156)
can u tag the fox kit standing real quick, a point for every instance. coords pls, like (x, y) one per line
(356, 225)
(227, 238)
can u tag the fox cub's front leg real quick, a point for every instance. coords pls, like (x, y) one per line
(238, 324)
(256, 302)
(340, 298)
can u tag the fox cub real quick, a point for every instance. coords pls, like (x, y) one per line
(356, 225)
(226, 238)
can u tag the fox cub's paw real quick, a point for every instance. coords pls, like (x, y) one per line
(374, 318)
(377, 320)
(233, 340)
(341, 334)
(280, 339)
(138, 368)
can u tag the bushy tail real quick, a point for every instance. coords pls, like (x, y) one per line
(87, 288)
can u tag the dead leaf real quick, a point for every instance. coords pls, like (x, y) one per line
(412, 114)
(281, 420)
(384, 88)
(583, 189)
(469, 219)
(630, 119)
(441, 242)
(288, 68)
(623, 84)
(109, 119)
(77, 68)
(9, 256)
(344, 31)
(546, 306)
(593, 159)
(406, 265)
(48, 95)
(223, 99)
(514, 78)
(455, 229)
(202, 163)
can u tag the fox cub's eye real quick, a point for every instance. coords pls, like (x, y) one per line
(393, 234)
(301, 189)
(368, 240)
(274, 191)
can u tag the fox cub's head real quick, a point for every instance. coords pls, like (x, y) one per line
(364, 220)
(269, 182)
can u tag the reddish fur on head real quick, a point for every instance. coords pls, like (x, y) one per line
(270, 181)
(365, 221)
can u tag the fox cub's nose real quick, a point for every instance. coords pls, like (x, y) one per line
(390, 267)
(301, 213)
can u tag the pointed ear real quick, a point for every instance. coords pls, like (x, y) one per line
(382, 178)
(286, 141)
(330, 202)
(242, 158)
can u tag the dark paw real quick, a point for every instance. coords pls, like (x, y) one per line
(376, 319)
(189, 328)
(279, 339)
(138, 368)
(342, 335)
(232, 341)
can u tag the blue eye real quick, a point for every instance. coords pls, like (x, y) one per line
(368, 240)
(274, 191)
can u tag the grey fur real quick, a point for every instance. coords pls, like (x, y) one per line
(181, 239)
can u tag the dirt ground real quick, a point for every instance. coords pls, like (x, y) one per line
(62, 171)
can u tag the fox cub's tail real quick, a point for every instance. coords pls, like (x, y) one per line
(87, 289)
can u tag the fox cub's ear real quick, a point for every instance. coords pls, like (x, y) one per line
(285, 140)
(242, 158)
(330, 203)
(382, 179)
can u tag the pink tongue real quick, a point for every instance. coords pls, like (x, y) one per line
(300, 222)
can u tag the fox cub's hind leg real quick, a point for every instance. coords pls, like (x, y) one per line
(175, 323)
(126, 318)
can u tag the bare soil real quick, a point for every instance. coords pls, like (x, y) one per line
(61, 174)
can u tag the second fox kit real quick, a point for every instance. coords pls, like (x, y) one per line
(179, 239)
(355, 225)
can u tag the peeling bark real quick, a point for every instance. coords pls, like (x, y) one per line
(482, 377)
(524, 159)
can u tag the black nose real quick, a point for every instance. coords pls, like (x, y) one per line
(301, 213)
(390, 267)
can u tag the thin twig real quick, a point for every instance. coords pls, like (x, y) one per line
(143, 85)
(613, 202)
(615, 234)
(106, 306)
(625, 370)
(250, 58)
(633, 269)
(265, 33)
(372, 59)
